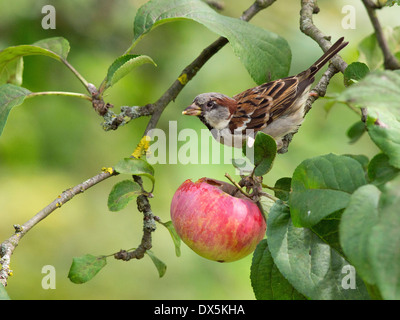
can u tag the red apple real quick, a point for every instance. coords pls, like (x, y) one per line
(214, 224)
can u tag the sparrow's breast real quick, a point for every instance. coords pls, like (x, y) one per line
(225, 137)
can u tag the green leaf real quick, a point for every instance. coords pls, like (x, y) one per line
(264, 152)
(362, 159)
(379, 91)
(12, 72)
(328, 231)
(56, 48)
(242, 165)
(264, 54)
(138, 167)
(85, 268)
(355, 227)
(122, 193)
(390, 3)
(329, 104)
(3, 293)
(355, 72)
(370, 51)
(56, 45)
(161, 266)
(384, 239)
(385, 133)
(380, 171)
(123, 65)
(174, 235)
(266, 205)
(282, 188)
(266, 280)
(10, 96)
(311, 266)
(356, 131)
(323, 185)
(370, 237)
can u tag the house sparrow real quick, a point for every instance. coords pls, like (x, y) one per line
(276, 108)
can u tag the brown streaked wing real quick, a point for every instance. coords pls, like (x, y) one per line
(260, 105)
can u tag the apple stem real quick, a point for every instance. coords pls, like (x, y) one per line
(227, 175)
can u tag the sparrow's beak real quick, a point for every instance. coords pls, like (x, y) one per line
(192, 110)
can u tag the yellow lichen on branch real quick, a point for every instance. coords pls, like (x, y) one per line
(142, 147)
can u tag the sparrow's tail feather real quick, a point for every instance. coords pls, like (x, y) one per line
(328, 55)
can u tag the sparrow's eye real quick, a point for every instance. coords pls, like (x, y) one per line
(210, 104)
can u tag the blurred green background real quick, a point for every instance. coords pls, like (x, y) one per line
(52, 143)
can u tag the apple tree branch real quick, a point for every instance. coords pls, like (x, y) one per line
(112, 122)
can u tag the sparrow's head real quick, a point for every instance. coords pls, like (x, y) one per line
(214, 109)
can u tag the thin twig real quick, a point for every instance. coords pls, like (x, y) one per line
(186, 75)
(390, 61)
(308, 8)
(372, 4)
(8, 246)
(149, 226)
(216, 5)
(60, 93)
(321, 87)
(255, 8)
(227, 175)
(78, 75)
